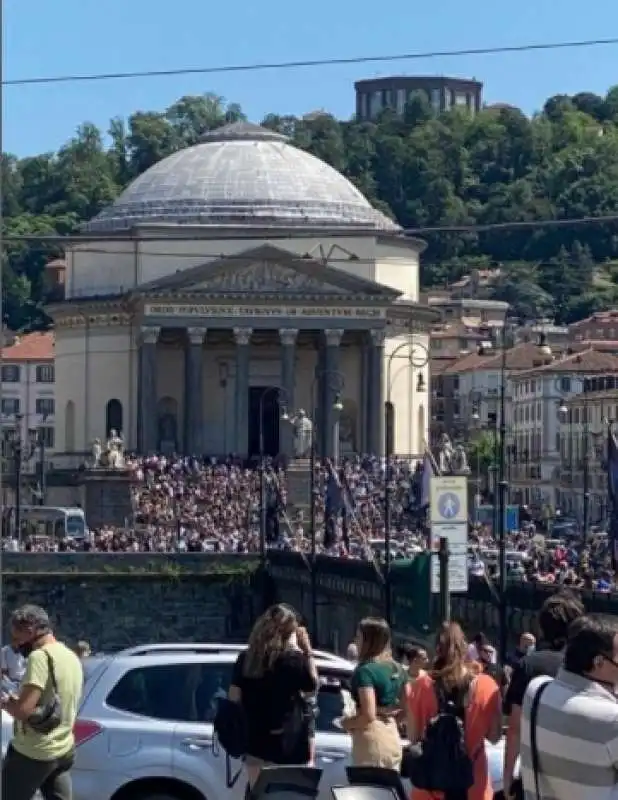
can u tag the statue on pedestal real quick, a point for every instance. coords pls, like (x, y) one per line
(97, 451)
(445, 455)
(460, 461)
(115, 450)
(303, 434)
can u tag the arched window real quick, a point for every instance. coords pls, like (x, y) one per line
(113, 417)
(69, 427)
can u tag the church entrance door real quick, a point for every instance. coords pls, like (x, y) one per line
(264, 404)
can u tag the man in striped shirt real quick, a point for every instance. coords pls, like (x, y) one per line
(577, 720)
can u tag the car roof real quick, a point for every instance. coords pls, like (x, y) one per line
(211, 649)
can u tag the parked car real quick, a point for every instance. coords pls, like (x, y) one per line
(145, 725)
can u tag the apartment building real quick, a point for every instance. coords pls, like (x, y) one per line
(471, 385)
(583, 447)
(538, 474)
(28, 402)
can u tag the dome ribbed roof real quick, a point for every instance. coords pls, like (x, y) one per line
(246, 176)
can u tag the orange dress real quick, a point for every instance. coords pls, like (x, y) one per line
(483, 705)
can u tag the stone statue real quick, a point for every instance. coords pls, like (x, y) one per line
(303, 434)
(445, 455)
(460, 461)
(115, 450)
(97, 451)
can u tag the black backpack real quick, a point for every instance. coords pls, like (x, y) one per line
(440, 761)
(231, 728)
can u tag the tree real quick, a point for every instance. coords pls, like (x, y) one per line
(425, 169)
(481, 452)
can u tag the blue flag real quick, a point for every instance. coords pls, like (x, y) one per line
(333, 501)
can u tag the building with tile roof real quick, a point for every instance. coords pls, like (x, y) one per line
(536, 430)
(28, 391)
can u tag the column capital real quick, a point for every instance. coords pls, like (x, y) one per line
(378, 335)
(196, 335)
(242, 335)
(149, 334)
(333, 336)
(288, 336)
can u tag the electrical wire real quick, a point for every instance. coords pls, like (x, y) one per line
(308, 63)
(61, 241)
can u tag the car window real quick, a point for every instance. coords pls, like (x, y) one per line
(189, 693)
(172, 692)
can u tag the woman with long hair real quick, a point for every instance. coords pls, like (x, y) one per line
(269, 680)
(476, 695)
(377, 689)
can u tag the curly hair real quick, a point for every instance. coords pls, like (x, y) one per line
(269, 637)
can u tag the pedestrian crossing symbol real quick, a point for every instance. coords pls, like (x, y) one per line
(449, 506)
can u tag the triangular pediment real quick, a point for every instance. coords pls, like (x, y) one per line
(269, 270)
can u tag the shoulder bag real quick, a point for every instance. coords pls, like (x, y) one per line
(534, 751)
(46, 718)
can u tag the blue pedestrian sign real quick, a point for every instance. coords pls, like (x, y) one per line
(449, 499)
(449, 506)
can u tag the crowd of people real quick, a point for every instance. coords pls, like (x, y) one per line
(182, 504)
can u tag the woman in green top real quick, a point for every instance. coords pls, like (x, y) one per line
(377, 688)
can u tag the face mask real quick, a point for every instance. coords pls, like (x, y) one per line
(25, 649)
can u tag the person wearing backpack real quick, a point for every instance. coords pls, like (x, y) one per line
(451, 711)
(377, 686)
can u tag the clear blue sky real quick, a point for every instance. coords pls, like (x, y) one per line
(84, 36)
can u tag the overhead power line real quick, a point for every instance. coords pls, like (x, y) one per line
(57, 239)
(308, 63)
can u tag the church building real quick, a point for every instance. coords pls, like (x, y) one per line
(231, 285)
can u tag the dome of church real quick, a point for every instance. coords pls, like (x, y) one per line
(242, 175)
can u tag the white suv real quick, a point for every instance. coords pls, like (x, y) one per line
(145, 728)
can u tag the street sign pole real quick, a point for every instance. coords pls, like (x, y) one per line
(449, 521)
(445, 592)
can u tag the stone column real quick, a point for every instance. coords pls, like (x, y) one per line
(194, 392)
(333, 385)
(243, 358)
(363, 423)
(147, 419)
(317, 413)
(375, 415)
(288, 384)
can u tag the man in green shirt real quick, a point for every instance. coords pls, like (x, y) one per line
(38, 761)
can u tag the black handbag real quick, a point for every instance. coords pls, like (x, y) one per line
(46, 718)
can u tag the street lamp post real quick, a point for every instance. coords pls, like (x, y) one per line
(40, 442)
(417, 360)
(506, 340)
(475, 400)
(21, 453)
(335, 382)
(267, 391)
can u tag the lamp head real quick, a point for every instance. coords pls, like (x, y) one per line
(420, 382)
(338, 405)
